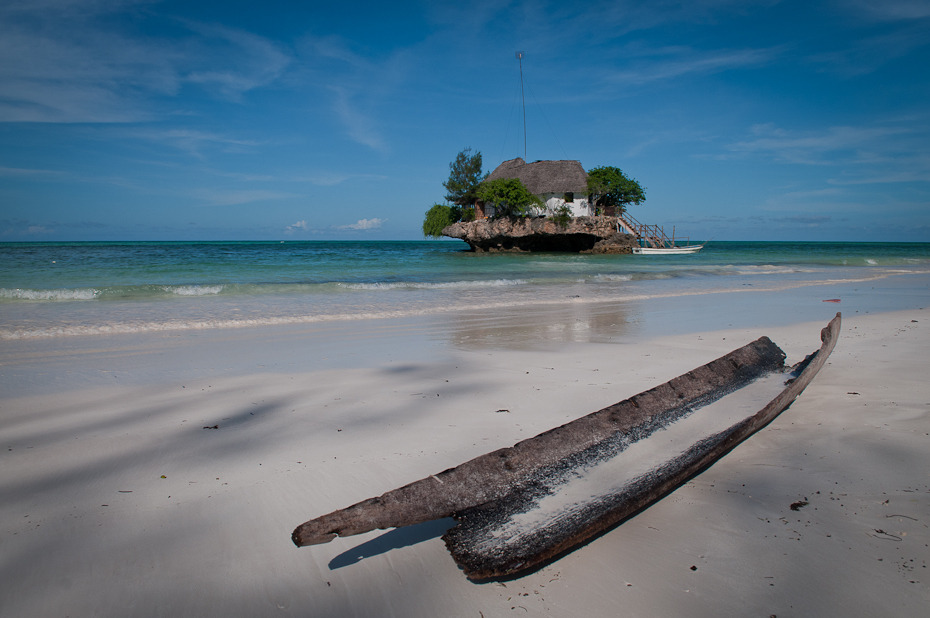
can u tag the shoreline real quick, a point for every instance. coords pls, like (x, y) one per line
(23, 320)
(119, 496)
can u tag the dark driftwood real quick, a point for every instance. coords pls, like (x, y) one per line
(479, 543)
(479, 490)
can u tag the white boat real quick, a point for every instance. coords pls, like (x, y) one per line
(667, 250)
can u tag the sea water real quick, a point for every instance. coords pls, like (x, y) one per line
(87, 288)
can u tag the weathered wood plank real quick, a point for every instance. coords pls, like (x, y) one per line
(485, 491)
(491, 476)
(490, 542)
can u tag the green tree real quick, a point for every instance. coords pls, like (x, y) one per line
(464, 177)
(439, 217)
(508, 195)
(562, 215)
(610, 187)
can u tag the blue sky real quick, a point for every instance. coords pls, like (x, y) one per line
(744, 120)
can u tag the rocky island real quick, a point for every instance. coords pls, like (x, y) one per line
(593, 234)
(538, 206)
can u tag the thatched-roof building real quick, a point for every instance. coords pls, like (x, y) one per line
(557, 183)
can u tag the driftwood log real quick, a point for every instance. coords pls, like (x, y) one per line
(487, 494)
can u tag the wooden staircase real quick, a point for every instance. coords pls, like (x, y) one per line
(647, 235)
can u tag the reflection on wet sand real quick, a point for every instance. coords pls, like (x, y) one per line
(542, 326)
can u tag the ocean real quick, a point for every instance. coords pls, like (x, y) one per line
(92, 288)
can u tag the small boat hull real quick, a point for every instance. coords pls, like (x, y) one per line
(667, 250)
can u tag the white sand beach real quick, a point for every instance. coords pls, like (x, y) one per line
(162, 474)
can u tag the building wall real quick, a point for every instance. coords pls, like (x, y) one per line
(552, 203)
(579, 206)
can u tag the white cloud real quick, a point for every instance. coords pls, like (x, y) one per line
(299, 226)
(363, 224)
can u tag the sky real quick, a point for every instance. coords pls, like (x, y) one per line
(282, 120)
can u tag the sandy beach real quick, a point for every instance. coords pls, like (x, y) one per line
(162, 473)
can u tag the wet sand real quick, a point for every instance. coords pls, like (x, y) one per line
(163, 473)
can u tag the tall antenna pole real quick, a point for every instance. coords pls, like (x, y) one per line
(523, 98)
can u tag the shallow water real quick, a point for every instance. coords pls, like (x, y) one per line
(60, 289)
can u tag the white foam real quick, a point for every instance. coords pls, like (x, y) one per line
(60, 294)
(612, 278)
(447, 285)
(194, 290)
(768, 269)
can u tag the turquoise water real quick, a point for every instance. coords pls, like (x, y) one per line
(58, 289)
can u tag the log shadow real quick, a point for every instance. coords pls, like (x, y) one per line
(393, 539)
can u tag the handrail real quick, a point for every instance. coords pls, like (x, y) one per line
(648, 235)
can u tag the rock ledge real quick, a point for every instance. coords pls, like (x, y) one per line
(580, 235)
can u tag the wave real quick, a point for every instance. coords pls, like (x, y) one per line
(129, 322)
(194, 290)
(442, 285)
(105, 293)
(611, 278)
(52, 295)
(149, 292)
(767, 269)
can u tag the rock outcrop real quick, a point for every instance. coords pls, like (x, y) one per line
(578, 235)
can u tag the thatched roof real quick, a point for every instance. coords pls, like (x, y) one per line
(543, 177)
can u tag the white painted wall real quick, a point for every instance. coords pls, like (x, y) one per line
(579, 206)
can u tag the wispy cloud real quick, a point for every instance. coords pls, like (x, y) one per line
(675, 62)
(16, 172)
(64, 61)
(24, 229)
(330, 179)
(870, 52)
(326, 179)
(889, 10)
(883, 153)
(321, 178)
(195, 142)
(363, 224)
(830, 146)
(813, 193)
(360, 126)
(916, 170)
(234, 198)
(807, 220)
(236, 61)
(359, 86)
